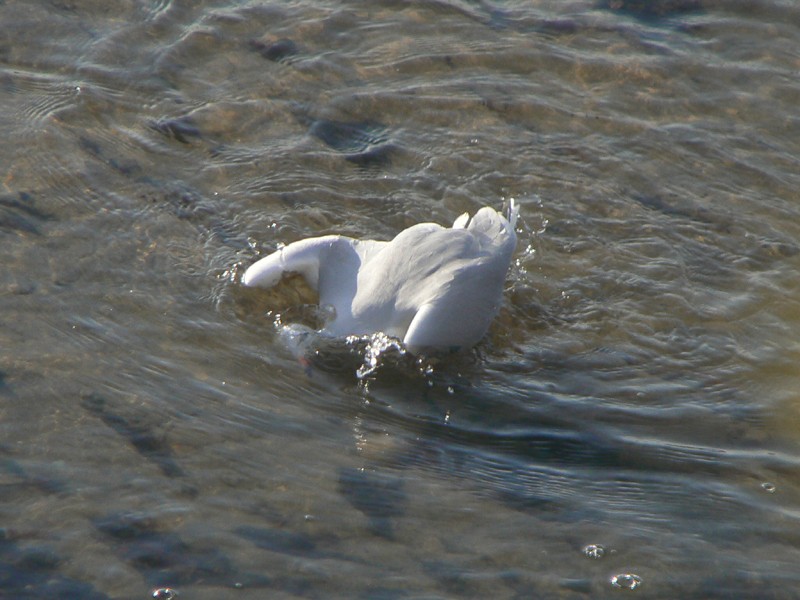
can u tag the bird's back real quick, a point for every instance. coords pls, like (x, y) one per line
(457, 272)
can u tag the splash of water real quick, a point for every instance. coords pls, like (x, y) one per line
(378, 345)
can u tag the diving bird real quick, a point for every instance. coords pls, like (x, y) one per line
(433, 287)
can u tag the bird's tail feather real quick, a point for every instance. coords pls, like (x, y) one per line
(513, 213)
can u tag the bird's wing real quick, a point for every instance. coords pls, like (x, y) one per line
(441, 326)
(303, 257)
(458, 313)
(461, 221)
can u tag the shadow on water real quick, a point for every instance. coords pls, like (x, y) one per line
(652, 11)
(137, 432)
(163, 558)
(32, 571)
(381, 497)
(283, 541)
(30, 568)
(19, 214)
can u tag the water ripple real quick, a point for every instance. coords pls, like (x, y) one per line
(635, 398)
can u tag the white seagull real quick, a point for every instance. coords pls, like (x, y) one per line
(434, 288)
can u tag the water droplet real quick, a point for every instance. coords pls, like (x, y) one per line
(626, 581)
(768, 487)
(594, 551)
(165, 594)
(377, 345)
(326, 313)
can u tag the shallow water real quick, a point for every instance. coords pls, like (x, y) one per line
(630, 421)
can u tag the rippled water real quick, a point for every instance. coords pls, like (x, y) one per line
(630, 424)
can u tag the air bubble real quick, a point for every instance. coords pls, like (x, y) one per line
(626, 581)
(595, 551)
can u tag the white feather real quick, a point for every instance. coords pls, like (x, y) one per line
(432, 287)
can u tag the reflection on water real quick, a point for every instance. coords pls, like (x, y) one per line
(629, 425)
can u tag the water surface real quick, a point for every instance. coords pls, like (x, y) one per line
(631, 419)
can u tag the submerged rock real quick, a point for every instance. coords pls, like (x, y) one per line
(181, 128)
(349, 136)
(380, 497)
(277, 51)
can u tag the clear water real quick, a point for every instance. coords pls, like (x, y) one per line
(629, 426)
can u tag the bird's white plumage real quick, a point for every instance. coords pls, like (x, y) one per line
(432, 287)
